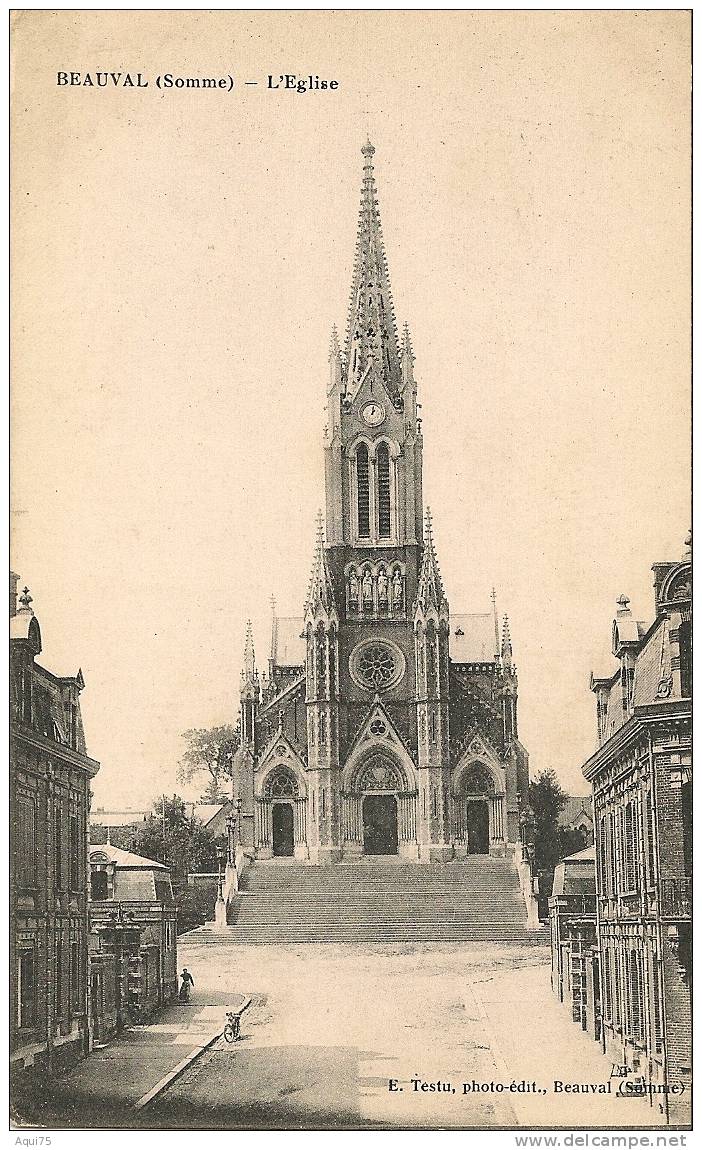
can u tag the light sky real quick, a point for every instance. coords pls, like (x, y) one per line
(180, 258)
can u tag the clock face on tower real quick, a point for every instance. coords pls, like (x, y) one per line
(373, 414)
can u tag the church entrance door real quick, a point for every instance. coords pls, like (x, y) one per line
(478, 827)
(380, 825)
(283, 837)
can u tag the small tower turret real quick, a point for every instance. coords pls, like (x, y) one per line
(250, 691)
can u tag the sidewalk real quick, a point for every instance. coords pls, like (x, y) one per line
(104, 1088)
(537, 1040)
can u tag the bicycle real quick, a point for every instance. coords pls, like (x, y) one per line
(232, 1027)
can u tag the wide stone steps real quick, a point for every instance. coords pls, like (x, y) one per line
(474, 900)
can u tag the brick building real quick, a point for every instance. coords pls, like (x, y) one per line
(641, 775)
(573, 922)
(386, 724)
(50, 773)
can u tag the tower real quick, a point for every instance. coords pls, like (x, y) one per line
(386, 724)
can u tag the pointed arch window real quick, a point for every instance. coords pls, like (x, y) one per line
(383, 465)
(363, 491)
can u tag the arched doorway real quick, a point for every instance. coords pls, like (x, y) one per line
(283, 830)
(380, 825)
(379, 784)
(281, 793)
(478, 827)
(478, 811)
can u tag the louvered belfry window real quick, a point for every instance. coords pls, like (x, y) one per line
(383, 492)
(363, 492)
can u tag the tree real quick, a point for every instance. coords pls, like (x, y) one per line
(546, 799)
(177, 840)
(208, 759)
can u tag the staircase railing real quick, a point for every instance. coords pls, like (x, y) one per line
(230, 885)
(529, 885)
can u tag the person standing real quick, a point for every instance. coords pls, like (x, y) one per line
(187, 982)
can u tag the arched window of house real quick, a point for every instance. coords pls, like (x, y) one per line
(383, 470)
(363, 491)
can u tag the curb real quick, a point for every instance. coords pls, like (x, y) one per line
(169, 1078)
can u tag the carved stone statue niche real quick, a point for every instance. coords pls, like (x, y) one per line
(397, 591)
(367, 591)
(383, 588)
(353, 587)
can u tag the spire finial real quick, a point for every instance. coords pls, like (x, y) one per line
(26, 600)
(368, 151)
(623, 604)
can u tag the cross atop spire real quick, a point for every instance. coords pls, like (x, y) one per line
(371, 333)
(493, 597)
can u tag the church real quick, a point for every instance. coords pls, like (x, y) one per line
(384, 724)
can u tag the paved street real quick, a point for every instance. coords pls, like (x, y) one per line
(331, 1025)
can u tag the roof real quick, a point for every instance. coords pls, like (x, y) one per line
(586, 855)
(290, 645)
(575, 874)
(24, 625)
(99, 817)
(206, 812)
(575, 805)
(472, 638)
(126, 858)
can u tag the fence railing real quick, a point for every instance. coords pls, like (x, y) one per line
(676, 897)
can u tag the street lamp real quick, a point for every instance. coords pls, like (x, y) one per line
(220, 862)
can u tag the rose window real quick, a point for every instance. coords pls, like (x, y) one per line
(376, 665)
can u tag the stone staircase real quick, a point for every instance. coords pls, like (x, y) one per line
(376, 901)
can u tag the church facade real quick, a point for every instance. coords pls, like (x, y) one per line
(384, 723)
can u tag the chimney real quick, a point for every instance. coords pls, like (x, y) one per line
(14, 580)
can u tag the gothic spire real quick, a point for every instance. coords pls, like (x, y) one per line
(249, 655)
(506, 642)
(371, 333)
(320, 591)
(430, 591)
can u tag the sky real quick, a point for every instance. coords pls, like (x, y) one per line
(180, 257)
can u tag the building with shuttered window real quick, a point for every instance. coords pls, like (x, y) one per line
(641, 775)
(50, 773)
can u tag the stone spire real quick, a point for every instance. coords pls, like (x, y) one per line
(506, 643)
(249, 671)
(430, 591)
(371, 334)
(320, 592)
